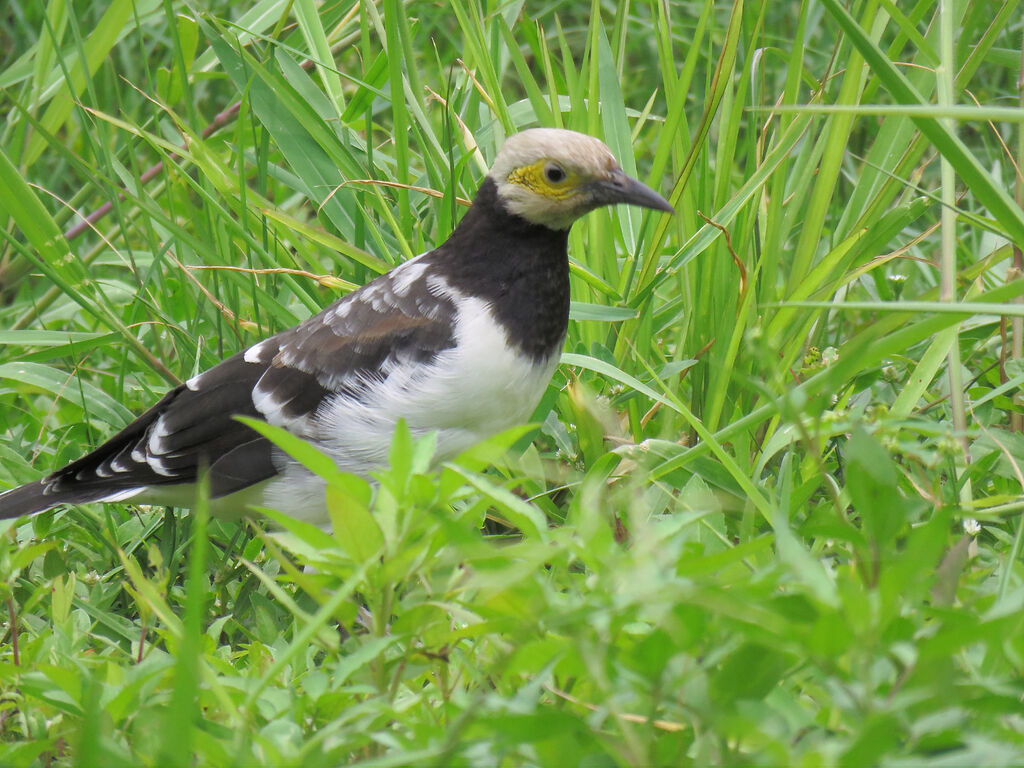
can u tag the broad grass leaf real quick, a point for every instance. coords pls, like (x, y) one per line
(93, 400)
(310, 535)
(302, 451)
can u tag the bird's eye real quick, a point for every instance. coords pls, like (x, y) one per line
(554, 173)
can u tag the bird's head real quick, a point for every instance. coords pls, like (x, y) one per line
(551, 177)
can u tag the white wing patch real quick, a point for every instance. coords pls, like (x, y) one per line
(155, 443)
(404, 276)
(254, 354)
(158, 466)
(272, 408)
(120, 465)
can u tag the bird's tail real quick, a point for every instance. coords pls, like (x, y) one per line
(28, 499)
(50, 492)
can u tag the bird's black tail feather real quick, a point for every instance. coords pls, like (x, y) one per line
(28, 499)
(33, 498)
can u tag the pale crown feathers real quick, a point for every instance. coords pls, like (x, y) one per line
(552, 176)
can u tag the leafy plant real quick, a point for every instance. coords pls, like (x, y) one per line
(768, 511)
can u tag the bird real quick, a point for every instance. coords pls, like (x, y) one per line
(461, 340)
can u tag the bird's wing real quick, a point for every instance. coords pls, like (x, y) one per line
(401, 318)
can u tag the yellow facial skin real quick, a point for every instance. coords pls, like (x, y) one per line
(537, 178)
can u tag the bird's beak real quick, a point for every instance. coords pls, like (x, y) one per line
(617, 187)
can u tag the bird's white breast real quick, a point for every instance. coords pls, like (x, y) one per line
(482, 385)
(469, 392)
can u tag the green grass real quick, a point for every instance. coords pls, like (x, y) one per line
(770, 509)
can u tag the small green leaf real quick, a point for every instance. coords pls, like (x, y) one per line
(188, 37)
(26, 555)
(750, 672)
(400, 455)
(872, 483)
(354, 527)
(524, 516)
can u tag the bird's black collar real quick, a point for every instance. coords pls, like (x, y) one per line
(521, 269)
